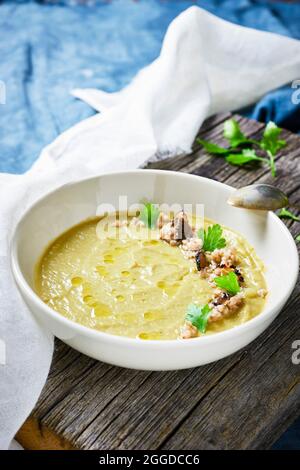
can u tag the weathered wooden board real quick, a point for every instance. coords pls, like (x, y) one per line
(244, 401)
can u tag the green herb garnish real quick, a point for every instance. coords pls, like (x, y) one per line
(212, 238)
(149, 214)
(269, 145)
(234, 135)
(270, 141)
(286, 214)
(246, 156)
(198, 316)
(228, 282)
(213, 148)
(297, 238)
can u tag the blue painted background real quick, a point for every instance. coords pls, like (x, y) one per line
(48, 48)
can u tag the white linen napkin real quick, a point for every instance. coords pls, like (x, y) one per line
(206, 65)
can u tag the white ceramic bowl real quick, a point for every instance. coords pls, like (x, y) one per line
(72, 203)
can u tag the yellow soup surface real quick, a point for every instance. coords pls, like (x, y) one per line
(135, 287)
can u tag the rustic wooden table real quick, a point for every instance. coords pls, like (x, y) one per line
(244, 401)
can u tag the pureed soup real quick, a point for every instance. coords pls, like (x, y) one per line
(158, 279)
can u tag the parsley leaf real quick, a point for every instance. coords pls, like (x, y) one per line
(228, 282)
(149, 214)
(213, 148)
(212, 238)
(270, 144)
(297, 238)
(284, 213)
(233, 133)
(270, 141)
(247, 156)
(272, 164)
(198, 316)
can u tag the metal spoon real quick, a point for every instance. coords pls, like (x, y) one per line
(259, 197)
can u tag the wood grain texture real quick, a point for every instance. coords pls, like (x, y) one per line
(245, 401)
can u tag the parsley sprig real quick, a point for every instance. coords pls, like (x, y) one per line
(240, 151)
(198, 316)
(286, 214)
(213, 148)
(246, 156)
(149, 214)
(234, 135)
(212, 238)
(271, 143)
(228, 282)
(270, 140)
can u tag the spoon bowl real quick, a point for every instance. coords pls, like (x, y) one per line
(259, 197)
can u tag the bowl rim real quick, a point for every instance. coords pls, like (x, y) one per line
(23, 285)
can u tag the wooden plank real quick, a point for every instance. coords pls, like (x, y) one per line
(253, 402)
(244, 401)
